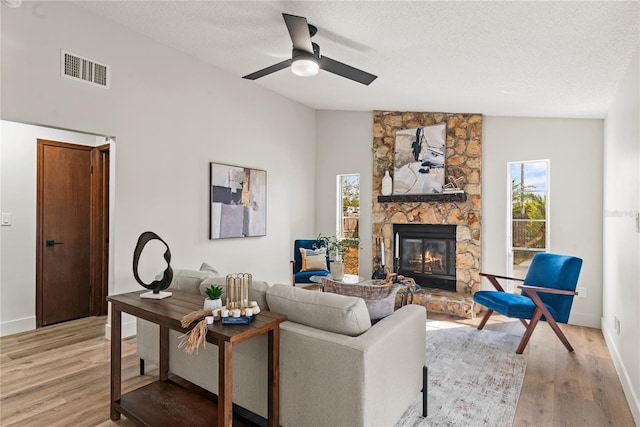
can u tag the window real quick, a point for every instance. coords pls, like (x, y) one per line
(528, 229)
(348, 214)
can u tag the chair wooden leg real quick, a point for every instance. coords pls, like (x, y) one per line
(527, 334)
(549, 318)
(561, 336)
(485, 318)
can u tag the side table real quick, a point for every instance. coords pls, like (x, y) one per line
(167, 403)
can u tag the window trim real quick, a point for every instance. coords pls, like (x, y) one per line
(339, 207)
(509, 206)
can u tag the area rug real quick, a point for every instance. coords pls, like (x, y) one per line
(475, 378)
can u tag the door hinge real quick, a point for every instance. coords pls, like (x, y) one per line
(91, 169)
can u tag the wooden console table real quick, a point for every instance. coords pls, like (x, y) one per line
(167, 403)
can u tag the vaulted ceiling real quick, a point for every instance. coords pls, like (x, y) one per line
(538, 58)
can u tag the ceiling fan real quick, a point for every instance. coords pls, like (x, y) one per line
(305, 58)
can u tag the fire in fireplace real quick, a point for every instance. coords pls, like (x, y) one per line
(427, 253)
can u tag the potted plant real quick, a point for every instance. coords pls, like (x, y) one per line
(213, 301)
(336, 248)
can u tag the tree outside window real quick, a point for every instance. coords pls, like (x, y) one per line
(349, 218)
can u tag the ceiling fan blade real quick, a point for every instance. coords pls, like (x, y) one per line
(344, 70)
(266, 71)
(299, 32)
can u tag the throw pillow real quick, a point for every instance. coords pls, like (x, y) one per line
(207, 267)
(188, 280)
(313, 259)
(380, 299)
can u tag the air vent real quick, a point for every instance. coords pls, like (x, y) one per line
(83, 69)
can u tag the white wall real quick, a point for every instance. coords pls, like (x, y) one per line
(18, 143)
(344, 147)
(621, 296)
(171, 115)
(574, 148)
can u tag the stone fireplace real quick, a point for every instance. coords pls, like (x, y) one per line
(448, 280)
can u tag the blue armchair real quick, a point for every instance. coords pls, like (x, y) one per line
(300, 276)
(547, 294)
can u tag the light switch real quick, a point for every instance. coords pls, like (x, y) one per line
(6, 218)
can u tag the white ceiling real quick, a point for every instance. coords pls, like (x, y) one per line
(538, 59)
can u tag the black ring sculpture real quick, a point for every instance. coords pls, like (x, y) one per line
(167, 276)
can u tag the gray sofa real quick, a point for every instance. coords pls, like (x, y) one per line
(336, 369)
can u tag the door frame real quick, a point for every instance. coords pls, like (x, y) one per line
(98, 229)
(100, 160)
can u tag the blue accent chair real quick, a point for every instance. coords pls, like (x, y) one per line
(547, 293)
(304, 276)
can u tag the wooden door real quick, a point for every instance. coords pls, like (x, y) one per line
(64, 232)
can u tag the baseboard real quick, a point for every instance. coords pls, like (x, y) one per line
(586, 320)
(16, 326)
(128, 329)
(632, 397)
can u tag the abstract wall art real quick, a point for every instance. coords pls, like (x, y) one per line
(419, 160)
(238, 201)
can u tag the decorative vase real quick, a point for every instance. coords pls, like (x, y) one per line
(212, 304)
(387, 184)
(337, 270)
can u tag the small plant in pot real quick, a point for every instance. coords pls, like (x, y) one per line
(213, 301)
(336, 248)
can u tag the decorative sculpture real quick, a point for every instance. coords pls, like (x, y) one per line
(454, 183)
(157, 285)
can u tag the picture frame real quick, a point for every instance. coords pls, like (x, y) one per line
(238, 201)
(419, 160)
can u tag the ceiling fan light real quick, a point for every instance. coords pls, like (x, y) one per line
(305, 67)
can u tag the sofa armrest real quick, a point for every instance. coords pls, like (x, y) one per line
(147, 341)
(354, 376)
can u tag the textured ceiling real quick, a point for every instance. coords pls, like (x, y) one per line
(539, 59)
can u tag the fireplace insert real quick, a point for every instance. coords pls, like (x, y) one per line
(427, 253)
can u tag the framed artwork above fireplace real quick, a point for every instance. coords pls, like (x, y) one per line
(419, 158)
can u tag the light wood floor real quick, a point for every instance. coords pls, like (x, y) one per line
(59, 376)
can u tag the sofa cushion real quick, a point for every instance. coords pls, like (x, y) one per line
(257, 293)
(313, 259)
(380, 299)
(330, 312)
(189, 280)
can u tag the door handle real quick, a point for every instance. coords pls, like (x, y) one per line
(51, 243)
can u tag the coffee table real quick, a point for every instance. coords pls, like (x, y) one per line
(165, 402)
(348, 279)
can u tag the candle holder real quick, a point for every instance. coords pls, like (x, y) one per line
(378, 269)
(379, 273)
(396, 265)
(238, 287)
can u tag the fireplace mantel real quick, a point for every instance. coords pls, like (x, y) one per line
(423, 198)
